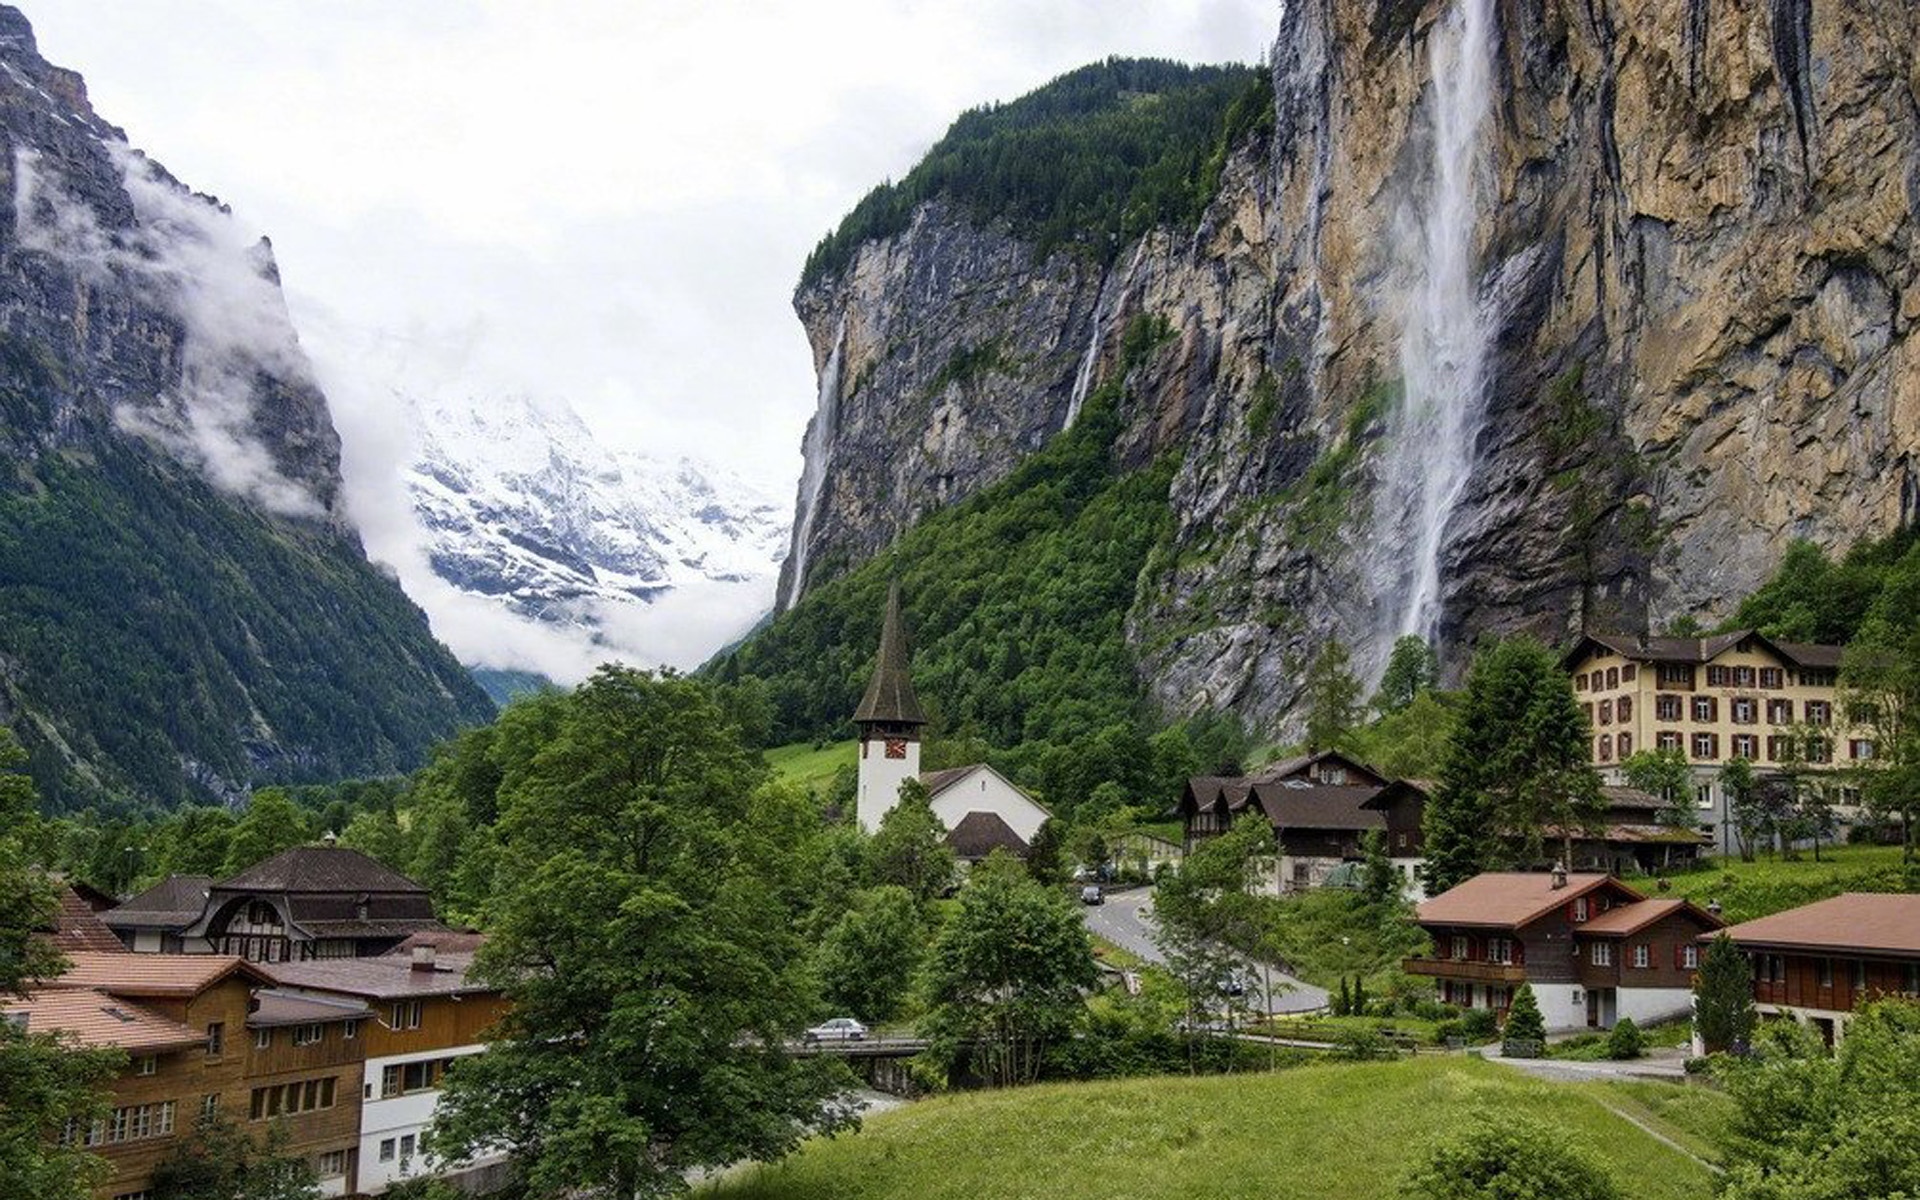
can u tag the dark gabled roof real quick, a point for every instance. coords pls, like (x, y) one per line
(1700, 649)
(890, 698)
(386, 977)
(320, 869)
(76, 926)
(939, 781)
(981, 833)
(1282, 768)
(1423, 788)
(1318, 806)
(275, 1008)
(174, 903)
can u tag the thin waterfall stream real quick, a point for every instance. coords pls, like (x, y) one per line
(818, 455)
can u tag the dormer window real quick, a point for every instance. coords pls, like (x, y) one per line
(1581, 910)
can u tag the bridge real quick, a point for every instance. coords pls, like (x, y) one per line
(883, 1061)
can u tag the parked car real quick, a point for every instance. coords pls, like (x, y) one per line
(1232, 985)
(840, 1029)
(1091, 894)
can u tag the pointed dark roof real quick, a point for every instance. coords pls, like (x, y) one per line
(319, 869)
(174, 903)
(890, 699)
(981, 833)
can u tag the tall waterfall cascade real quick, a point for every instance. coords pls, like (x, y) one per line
(818, 454)
(1445, 339)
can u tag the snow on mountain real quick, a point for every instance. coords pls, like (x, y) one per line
(521, 504)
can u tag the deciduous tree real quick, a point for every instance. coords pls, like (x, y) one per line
(910, 847)
(869, 957)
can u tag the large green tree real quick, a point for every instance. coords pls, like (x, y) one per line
(910, 848)
(272, 823)
(1517, 769)
(1007, 975)
(647, 937)
(1666, 775)
(869, 957)
(1412, 668)
(1332, 698)
(1723, 997)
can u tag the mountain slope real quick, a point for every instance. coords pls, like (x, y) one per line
(1497, 318)
(183, 611)
(522, 505)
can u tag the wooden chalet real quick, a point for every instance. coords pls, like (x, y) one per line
(1820, 962)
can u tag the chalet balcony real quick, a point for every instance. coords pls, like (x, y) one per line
(1464, 969)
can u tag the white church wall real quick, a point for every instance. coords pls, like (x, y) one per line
(984, 790)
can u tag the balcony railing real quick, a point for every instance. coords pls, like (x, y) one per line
(1461, 968)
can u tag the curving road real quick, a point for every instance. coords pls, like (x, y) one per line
(1126, 920)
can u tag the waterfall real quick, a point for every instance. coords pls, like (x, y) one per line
(818, 455)
(1083, 378)
(1444, 342)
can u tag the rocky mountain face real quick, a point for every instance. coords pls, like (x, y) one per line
(183, 610)
(522, 505)
(1682, 334)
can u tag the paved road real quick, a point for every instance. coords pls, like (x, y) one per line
(1126, 920)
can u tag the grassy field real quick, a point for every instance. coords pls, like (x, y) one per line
(1756, 889)
(1334, 1132)
(1699, 1118)
(811, 768)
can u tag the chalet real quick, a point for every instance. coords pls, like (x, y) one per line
(304, 903)
(1320, 807)
(182, 1021)
(1732, 695)
(979, 806)
(1632, 838)
(418, 1013)
(1817, 963)
(1593, 949)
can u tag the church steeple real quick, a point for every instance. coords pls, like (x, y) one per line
(890, 719)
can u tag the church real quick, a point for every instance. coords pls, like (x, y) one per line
(982, 809)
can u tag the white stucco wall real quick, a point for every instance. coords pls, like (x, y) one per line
(1562, 1005)
(983, 789)
(1646, 1005)
(880, 779)
(383, 1117)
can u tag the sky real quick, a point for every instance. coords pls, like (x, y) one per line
(603, 201)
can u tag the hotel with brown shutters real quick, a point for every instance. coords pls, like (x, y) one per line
(1714, 699)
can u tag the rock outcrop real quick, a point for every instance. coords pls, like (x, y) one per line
(1697, 248)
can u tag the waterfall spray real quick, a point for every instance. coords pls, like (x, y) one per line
(1445, 341)
(818, 456)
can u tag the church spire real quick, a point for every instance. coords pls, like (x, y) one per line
(890, 699)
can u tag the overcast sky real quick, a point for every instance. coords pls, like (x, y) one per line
(607, 201)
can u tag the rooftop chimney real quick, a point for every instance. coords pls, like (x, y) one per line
(329, 839)
(423, 958)
(1559, 876)
(1713, 906)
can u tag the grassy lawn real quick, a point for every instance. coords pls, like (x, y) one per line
(1592, 1047)
(1333, 1132)
(1756, 889)
(1697, 1117)
(1329, 1028)
(813, 769)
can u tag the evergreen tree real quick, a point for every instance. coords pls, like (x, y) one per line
(1723, 997)
(1526, 1030)
(1045, 857)
(1343, 1003)
(1379, 880)
(1625, 1040)
(1516, 767)
(1358, 1007)
(910, 847)
(1332, 698)
(1412, 668)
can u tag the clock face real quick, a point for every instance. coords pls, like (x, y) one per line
(896, 747)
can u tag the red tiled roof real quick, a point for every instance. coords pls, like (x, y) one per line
(1865, 922)
(386, 977)
(155, 975)
(1623, 920)
(1507, 899)
(93, 1018)
(78, 927)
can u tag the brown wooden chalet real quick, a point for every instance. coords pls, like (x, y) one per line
(1631, 838)
(304, 903)
(1210, 804)
(1593, 949)
(1820, 962)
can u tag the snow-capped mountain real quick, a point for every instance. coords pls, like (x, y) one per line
(521, 504)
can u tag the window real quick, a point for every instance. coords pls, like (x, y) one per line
(406, 1015)
(1459, 947)
(1500, 950)
(1819, 678)
(1586, 710)
(142, 1194)
(1859, 974)
(1626, 743)
(1745, 710)
(209, 1105)
(1860, 748)
(1613, 678)
(1717, 676)
(1706, 708)
(259, 912)
(1667, 708)
(1580, 910)
(1779, 748)
(1706, 745)
(1779, 712)
(1747, 746)
(419, 1076)
(1606, 747)
(1819, 712)
(349, 1030)
(1703, 796)
(216, 1038)
(137, 1123)
(146, 1064)
(1602, 954)
(1743, 677)
(1823, 972)
(1911, 984)
(1679, 675)
(333, 1163)
(390, 1081)
(1580, 682)
(386, 1149)
(1772, 677)
(1819, 750)
(263, 1039)
(307, 1035)
(1642, 956)
(1627, 673)
(1690, 956)
(1667, 739)
(1606, 712)
(1625, 708)
(406, 1146)
(291, 1098)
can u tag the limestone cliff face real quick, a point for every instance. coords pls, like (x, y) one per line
(1696, 248)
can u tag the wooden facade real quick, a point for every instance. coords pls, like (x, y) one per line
(1821, 962)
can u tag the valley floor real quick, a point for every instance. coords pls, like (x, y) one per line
(1332, 1132)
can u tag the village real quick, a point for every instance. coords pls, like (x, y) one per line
(318, 994)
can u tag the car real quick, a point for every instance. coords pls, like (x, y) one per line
(840, 1029)
(1232, 985)
(1091, 894)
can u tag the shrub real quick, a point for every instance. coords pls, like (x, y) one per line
(1526, 1032)
(1625, 1040)
(1363, 1045)
(1445, 1031)
(1515, 1158)
(1697, 1065)
(1478, 1024)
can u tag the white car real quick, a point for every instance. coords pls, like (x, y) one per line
(840, 1029)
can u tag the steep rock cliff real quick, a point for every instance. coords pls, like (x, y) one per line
(1694, 252)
